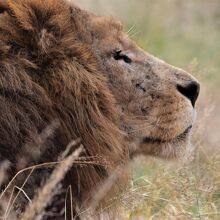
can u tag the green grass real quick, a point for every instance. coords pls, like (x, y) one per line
(164, 190)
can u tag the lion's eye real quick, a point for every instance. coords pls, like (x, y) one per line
(118, 55)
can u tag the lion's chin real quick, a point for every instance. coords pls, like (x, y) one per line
(178, 147)
(182, 136)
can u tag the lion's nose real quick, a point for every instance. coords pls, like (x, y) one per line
(190, 91)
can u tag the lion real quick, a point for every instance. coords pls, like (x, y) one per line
(60, 62)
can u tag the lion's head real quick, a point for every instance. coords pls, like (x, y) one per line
(155, 101)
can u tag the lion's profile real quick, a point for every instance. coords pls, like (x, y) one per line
(58, 62)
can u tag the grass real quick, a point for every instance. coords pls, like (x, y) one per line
(164, 190)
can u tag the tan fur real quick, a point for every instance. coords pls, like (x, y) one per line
(148, 101)
(57, 62)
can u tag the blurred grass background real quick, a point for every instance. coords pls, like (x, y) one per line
(185, 34)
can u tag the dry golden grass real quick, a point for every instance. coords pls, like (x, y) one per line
(174, 191)
(36, 207)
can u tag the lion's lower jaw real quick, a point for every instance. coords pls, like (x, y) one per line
(180, 149)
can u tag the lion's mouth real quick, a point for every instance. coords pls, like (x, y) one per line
(182, 136)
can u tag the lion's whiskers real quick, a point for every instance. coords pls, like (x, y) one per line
(131, 29)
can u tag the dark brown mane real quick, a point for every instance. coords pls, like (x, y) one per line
(47, 72)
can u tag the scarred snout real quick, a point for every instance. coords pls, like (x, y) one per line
(183, 82)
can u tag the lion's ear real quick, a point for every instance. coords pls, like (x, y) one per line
(3, 6)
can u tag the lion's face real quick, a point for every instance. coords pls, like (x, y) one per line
(155, 100)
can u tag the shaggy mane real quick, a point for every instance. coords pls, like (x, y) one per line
(48, 73)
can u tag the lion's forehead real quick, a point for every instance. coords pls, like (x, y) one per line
(104, 27)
